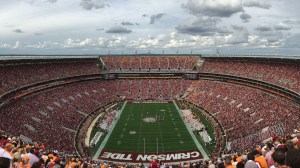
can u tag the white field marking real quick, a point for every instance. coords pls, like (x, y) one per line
(161, 137)
(140, 131)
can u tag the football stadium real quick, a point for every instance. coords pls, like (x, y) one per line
(131, 109)
(149, 84)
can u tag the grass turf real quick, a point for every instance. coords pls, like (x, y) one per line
(168, 134)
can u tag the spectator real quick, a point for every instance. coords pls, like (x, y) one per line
(32, 157)
(279, 158)
(220, 164)
(25, 162)
(269, 154)
(154, 164)
(260, 159)
(228, 163)
(250, 161)
(5, 153)
(211, 165)
(293, 158)
(5, 162)
(37, 165)
(289, 145)
(240, 165)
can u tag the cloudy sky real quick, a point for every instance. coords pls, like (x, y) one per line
(169, 26)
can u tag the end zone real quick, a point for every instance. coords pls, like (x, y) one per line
(168, 157)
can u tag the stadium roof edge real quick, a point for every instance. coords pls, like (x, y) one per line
(87, 56)
(28, 57)
(90, 56)
(293, 57)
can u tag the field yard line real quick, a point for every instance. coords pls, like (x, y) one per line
(199, 146)
(140, 133)
(109, 133)
(161, 138)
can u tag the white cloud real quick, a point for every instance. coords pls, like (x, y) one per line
(72, 43)
(282, 26)
(17, 45)
(154, 18)
(102, 42)
(118, 30)
(127, 23)
(245, 17)
(92, 4)
(263, 28)
(263, 5)
(201, 26)
(218, 8)
(39, 45)
(52, 1)
(5, 45)
(18, 31)
(144, 43)
(173, 43)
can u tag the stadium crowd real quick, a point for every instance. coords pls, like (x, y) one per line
(279, 152)
(154, 89)
(15, 76)
(259, 115)
(155, 63)
(283, 74)
(59, 111)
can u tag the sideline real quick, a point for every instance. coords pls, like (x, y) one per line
(89, 131)
(199, 146)
(109, 133)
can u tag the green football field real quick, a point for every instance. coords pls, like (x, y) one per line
(150, 128)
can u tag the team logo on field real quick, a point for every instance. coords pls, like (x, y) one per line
(149, 120)
(132, 132)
